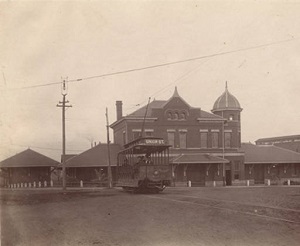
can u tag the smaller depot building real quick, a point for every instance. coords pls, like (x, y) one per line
(27, 167)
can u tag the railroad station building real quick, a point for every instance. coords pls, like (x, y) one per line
(91, 166)
(28, 167)
(271, 165)
(205, 147)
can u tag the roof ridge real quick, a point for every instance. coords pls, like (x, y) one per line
(288, 150)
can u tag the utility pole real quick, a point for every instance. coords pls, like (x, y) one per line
(108, 152)
(143, 125)
(64, 92)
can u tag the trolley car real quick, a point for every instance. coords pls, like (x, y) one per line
(143, 165)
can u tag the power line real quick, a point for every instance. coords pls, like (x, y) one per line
(181, 79)
(160, 65)
(39, 147)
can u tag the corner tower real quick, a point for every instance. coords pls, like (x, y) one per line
(228, 107)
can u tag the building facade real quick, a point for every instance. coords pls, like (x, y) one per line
(205, 147)
(26, 168)
(271, 165)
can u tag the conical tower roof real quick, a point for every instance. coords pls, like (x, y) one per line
(226, 102)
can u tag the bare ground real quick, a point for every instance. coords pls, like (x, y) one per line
(178, 216)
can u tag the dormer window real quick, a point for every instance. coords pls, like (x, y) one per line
(183, 116)
(176, 116)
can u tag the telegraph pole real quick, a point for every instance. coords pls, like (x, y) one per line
(108, 150)
(64, 92)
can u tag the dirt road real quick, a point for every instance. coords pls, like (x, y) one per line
(179, 216)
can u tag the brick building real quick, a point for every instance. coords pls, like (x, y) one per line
(205, 147)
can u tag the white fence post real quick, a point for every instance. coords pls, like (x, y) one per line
(269, 182)
(29, 185)
(25, 185)
(248, 182)
(40, 184)
(45, 183)
(34, 184)
(190, 183)
(289, 182)
(214, 183)
(51, 183)
(81, 183)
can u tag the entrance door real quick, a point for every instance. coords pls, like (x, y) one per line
(196, 174)
(259, 174)
(228, 177)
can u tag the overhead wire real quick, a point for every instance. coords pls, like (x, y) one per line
(158, 65)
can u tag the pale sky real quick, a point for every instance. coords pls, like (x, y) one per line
(41, 42)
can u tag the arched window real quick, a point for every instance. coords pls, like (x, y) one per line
(183, 116)
(169, 115)
(176, 116)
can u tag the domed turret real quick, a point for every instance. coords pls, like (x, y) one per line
(229, 108)
(226, 102)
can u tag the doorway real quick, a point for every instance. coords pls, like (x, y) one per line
(228, 177)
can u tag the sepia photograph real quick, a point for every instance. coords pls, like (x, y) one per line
(150, 123)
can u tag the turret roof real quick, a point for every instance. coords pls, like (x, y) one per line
(226, 102)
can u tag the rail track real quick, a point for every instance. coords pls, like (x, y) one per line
(248, 209)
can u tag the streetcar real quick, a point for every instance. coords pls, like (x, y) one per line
(143, 166)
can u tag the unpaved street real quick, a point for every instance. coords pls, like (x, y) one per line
(178, 216)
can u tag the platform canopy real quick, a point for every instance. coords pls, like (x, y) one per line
(268, 154)
(198, 159)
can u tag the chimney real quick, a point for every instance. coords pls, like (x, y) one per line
(119, 110)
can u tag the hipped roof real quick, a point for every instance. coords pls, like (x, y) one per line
(28, 158)
(198, 159)
(95, 157)
(268, 154)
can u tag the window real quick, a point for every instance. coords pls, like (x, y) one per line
(149, 132)
(182, 139)
(136, 135)
(183, 116)
(231, 117)
(294, 169)
(236, 170)
(124, 137)
(203, 139)
(227, 136)
(171, 139)
(215, 140)
(176, 116)
(169, 116)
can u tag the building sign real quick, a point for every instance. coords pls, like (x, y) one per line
(154, 141)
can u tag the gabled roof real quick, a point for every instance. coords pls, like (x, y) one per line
(281, 138)
(198, 159)
(159, 104)
(140, 113)
(95, 157)
(264, 154)
(29, 158)
(176, 95)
